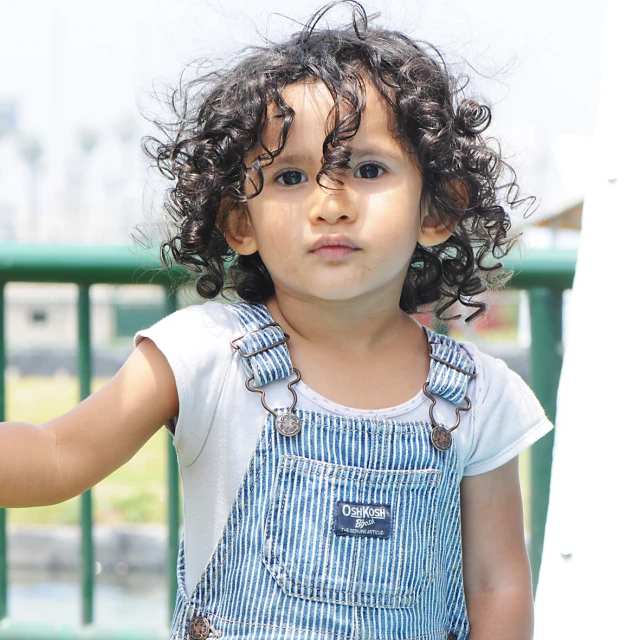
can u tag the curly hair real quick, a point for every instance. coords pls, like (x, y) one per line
(222, 115)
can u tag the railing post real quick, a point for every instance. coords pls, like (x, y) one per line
(86, 510)
(173, 477)
(546, 362)
(4, 606)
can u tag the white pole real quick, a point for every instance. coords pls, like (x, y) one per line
(589, 580)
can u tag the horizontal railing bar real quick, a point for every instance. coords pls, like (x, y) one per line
(84, 264)
(10, 630)
(543, 268)
(119, 264)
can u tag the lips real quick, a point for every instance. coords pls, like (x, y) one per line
(334, 243)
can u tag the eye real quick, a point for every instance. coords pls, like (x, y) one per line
(369, 171)
(291, 177)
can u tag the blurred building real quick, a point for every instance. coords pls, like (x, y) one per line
(41, 326)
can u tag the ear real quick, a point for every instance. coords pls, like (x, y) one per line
(239, 233)
(432, 230)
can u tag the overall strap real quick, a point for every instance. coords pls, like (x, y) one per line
(263, 347)
(451, 368)
(265, 355)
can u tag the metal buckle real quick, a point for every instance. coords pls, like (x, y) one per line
(287, 423)
(441, 437)
(271, 346)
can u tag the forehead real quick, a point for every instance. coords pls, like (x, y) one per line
(313, 97)
(312, 104)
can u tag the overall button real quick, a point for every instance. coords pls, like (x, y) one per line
(199, 628)
(452, 636)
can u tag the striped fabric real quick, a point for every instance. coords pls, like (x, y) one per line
(270, 365)
(285, 569)
(445, 381)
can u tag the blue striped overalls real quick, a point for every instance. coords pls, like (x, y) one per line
(349, 529)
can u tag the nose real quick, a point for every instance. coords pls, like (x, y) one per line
(333, 204)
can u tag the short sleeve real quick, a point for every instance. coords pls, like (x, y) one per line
(507, 416)
(195, 341)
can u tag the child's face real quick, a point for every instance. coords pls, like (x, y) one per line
(375, 218)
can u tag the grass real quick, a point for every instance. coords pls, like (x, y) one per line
(135, 493)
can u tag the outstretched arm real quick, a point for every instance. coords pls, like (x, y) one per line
(49, 463)
(497, 575)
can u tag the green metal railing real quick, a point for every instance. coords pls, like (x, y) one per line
(544, 274)
(85, 266)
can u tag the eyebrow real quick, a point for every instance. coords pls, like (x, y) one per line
(375, 151)
(288, 158)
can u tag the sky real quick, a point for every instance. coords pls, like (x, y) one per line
(81, 74)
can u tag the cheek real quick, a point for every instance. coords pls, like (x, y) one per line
(279, 243)
(268, 225)
(399, 249)
(398, 220)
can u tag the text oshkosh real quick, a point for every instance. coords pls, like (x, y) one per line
(364, 511)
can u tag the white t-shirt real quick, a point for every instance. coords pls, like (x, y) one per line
(219, 421)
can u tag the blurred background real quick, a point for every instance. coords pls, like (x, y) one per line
(76, 82)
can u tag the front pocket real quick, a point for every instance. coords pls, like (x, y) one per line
(315, 547)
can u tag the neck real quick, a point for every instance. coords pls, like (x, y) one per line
(352, 326)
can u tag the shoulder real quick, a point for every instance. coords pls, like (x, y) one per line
(193, 323)
(196, 342)
(496, 382)
(490, 371)
(506, 416)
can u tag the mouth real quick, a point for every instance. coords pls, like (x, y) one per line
(334, 246)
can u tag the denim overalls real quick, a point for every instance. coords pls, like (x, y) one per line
(349, 529)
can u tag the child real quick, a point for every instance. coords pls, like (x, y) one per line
(334, 183)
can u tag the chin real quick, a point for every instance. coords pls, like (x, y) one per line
(338, 294)
(334, 290)
(333, 294)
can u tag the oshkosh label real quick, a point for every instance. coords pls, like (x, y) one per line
(356, 519)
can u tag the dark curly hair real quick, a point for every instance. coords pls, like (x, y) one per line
(220, 116)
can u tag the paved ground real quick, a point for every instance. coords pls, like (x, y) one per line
(118, 550)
